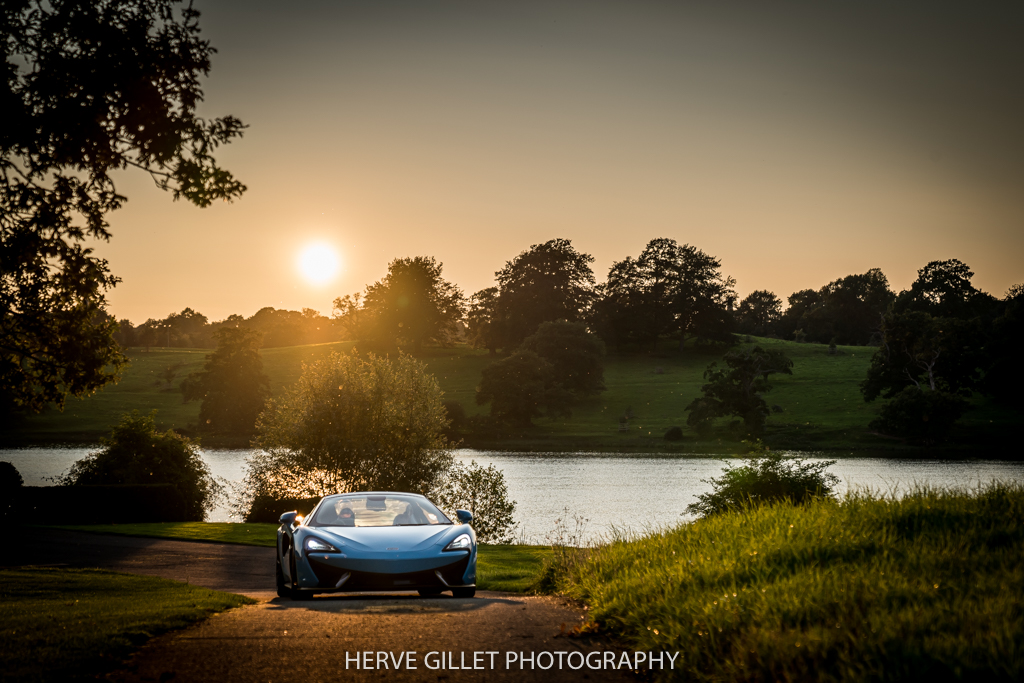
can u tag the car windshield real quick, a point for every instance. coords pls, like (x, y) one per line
(377, 509)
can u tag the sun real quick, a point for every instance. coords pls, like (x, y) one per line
(318, 263)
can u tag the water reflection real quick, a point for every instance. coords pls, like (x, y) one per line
(634, 492)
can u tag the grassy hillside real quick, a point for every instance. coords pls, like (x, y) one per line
(821, 407)
(920, 588)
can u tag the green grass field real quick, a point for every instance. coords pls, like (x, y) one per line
(513, 568)
(76, 624)
(822, 408)
(929, 587)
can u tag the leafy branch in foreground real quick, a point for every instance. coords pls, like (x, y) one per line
(89, 88)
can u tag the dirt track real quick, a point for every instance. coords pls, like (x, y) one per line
(282, 640)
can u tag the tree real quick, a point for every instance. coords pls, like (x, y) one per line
(668, 289)
(89, 88)
(136, 453)
(574, 355)
(550, 281)
(232, 385)
(847, 310)
(351, 424)
(482, 491)
(942, 288)
(522, 387)
(412, 304)
(1004, 362)
(928, 352)
(738, 388)
(483, 321)
(758, 313)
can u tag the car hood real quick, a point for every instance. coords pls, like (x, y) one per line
(402, 538)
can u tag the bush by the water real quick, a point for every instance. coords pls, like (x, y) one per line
(482, 491)
(765, 478)
(920, 415)
(135, 453)
(926, 587)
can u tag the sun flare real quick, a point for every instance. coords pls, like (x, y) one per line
(318, 263)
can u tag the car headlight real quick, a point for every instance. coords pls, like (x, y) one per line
(461, 542)
(316, 545)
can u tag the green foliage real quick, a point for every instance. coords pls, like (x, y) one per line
(91, 88)
(738, 389)
(77, 624)
(574, 355)
(921, 415)
(522, 387)
(926, 587)
(232, 385)
(550, 281)
(351, 424)
(766, 478)
(482, 491)
(136, 453)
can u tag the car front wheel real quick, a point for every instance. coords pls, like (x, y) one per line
(283, 590)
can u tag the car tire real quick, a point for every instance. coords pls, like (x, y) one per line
(283, 590)
(463, 592)
(429, 592)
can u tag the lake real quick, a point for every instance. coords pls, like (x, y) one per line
(630, 492)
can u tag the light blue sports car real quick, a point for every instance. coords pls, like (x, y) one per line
(375, 541)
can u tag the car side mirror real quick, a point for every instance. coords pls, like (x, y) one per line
(465, 516)
(288, 518)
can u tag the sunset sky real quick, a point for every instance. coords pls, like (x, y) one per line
(797, 142)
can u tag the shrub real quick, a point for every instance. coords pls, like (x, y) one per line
(767, 477)
(351, 424)
(135, 453)
(674, 434)
(10, 478)
(922, 416)
(482, 491)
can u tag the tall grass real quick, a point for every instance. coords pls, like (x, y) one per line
(929, 586)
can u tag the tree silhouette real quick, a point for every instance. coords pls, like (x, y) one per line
(668, 289)
(232, 385)
(550, 281)
(89, 88)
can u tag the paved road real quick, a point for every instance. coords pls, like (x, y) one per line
(281, 640)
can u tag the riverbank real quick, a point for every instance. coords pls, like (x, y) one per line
(818, 408)
(928, 586)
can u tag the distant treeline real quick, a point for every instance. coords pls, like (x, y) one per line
(669, 293)
(191, 329)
